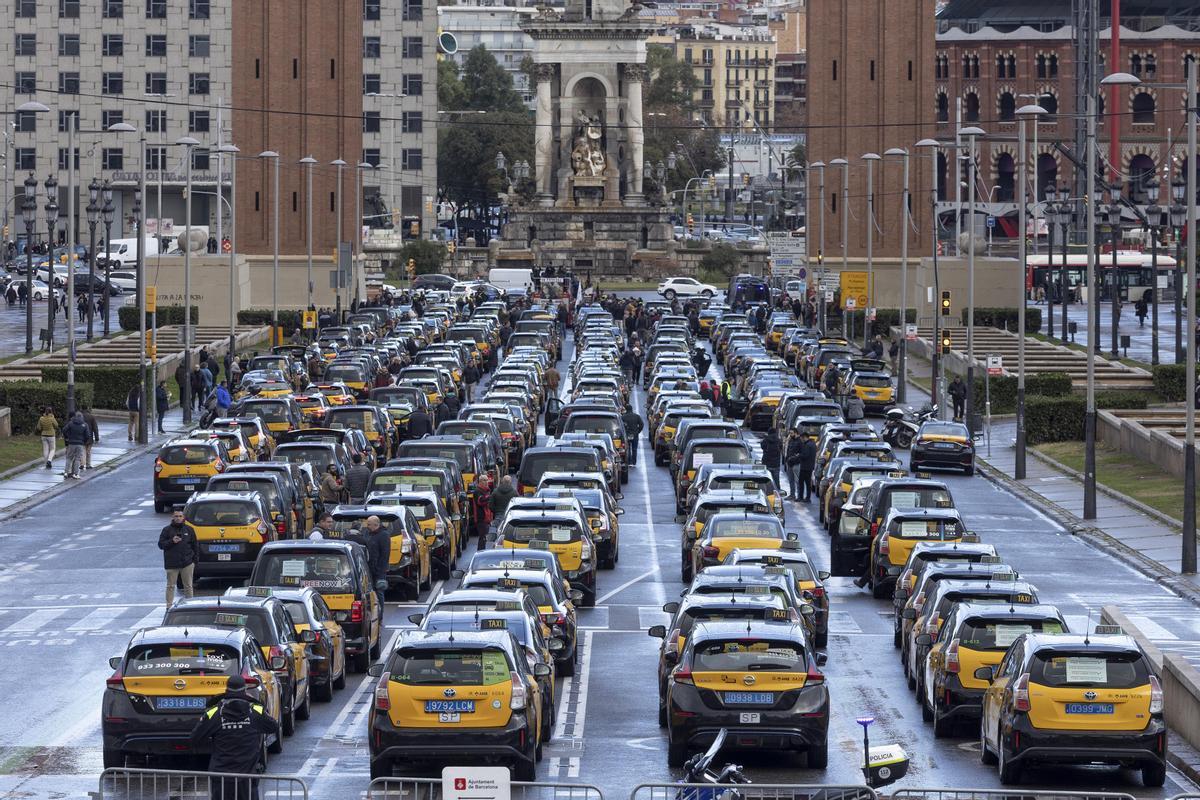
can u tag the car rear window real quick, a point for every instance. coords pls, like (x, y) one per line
(344, 372)
(917, 497)
(873, 381)
(747, 528)
(323, 571)
(1090, 668)
(992, 634)
(351, 418)
(420, 667)
(433, 450)
(591, 423)
(258, 624)
(271, 412)
(925, 528)
(411, 480)
(556, 532)
(150, 660)
(319, 457)
(720, 454)
(744, 655)
(534, 465)
(221, 512)
(187, 454)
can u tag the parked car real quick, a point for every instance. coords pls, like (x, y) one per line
(685, 287)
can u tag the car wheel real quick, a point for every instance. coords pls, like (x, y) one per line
(942, 726)
(985, 755)
(160, 508)
(707, 294)
(567, 668)
(969, 471)
(276, 747)
(324, 691)
(878, 590)
(1154, 775)
(340, 681)
(818, 756)
(381, 768)
(288, 723)
(305, 710)
(676, 753)
(1010, 773)
(361, 662)
(669, 294)
(115, 759)
(821, 639)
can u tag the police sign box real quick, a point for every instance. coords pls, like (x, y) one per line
(476, 783)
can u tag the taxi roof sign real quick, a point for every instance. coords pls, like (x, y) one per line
(236, 620)
(493, 624)
(259, 591)
(777, 615)
(1102, 630)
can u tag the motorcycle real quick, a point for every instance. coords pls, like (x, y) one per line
(901, 425)
(701, 782)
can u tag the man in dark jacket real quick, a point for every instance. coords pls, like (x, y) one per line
(452, 405)
(419, 424)
(501, 496)
(357, 478)
(162, 403)
(133, 404)
(791, 460)
(236, 725)
(958, 397)
(379, 553)
(76, 435)
(633, 429)
(178, 543)
(806, 461)
(770, 455)
(701, 361)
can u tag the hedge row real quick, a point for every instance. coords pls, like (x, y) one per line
(166, 315)
(288, 320)
(1004, 390)
(1170, 382)
(888, 318)
(1060, 419)
(110, 385)
(1005, 318)
(28, 398)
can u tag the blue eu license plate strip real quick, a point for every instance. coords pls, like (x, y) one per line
(1089, 708)
(225, 548)
(749, 698)
(180, 703)
(449, 706)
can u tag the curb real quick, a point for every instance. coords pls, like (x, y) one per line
(1093, 535)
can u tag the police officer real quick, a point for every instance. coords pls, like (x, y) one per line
(633, 428)
(236, 724)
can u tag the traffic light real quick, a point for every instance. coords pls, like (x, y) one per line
(691, 223)
(712, 183)
(946, 304)
(412, 268)
(151, 350)
(945, 348)
(451, 247)
(820, 257)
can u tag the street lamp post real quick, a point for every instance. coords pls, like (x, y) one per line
(1023, 114)
(51, 209)
(185, 391)
(820, 167)
(902, 378)
(29, 217)
(309, 162)
(971, 133)
(93, 219)
(107, 215)
(337, 267)
(870, 158)
(1066, 215)
(935, 384)
(1114, 226)
(232, 151)
(271, 154)
(847, 316)
(1188, 560)
(357, 249)
(147, 401)
(1178, 219)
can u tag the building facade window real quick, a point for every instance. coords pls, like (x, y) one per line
(112, 83)
(1143, 108)
(25, 158)
(412, 122)
(199, 121)
(1040, 63)
(156, 45)
(26, 82)
(113, 9)
(371, 156)
(25, 44)
(413, 84)
(64, 119)
(156, 83)
(68, 44)
(371, 83)
(413, 10)
(371, 47)
(371, 9)
(199, 46)
(1007, 107)
(64, 159)
(26, 9)
(371, 121)
(68, 83)
(200, 159)
(112, 158)
(110, 117)
(113, 44)
(68, 9)
(410, 158)
(413, 47)
(943, 108)
(198, 9)
(198, 83)
(156, 157)
(156, 9)
(26, 122)
(156, 120)
(971, 108)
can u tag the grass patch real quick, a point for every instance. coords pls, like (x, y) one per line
(627, 286)
(17, 450)
(1143, 482)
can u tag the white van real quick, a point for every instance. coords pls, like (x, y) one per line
(122, 252)
(512, 281)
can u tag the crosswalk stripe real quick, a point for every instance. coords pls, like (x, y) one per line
(100, 618)
(1152, 629)
(152, 619)
(35, 621)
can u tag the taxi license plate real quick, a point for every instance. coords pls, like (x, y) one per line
(231, 547)
(450, 707)
(180, 703)
(190, 481)
(449, 717)
(750, 718)
(224, 556)
(1089, 708)
(749, 698)
(944, 445)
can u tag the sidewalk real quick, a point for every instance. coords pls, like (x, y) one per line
(114, 448)
(1140, 337)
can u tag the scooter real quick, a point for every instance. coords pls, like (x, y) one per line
(698, 776)
(901, 425)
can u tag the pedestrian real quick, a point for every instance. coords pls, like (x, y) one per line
(357, 478)
(224, 399)
(133, 404)
(76, 435)
(47, 428)
(626, 364)
(894, 354)
(22, 294)
(633, 429)
(958, 395)
(196, 384)
(162, 403)
(236, 725)
(419, 424)
(10, 296)
(804, 469)
(177, 540)
(552, 381)
(771, 454)
(94, 430)
(830, 380)
(1139, 309)
(855, 408)
(325, 528)
(379, 552)
(332, 486)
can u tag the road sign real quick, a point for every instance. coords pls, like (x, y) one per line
(910, 332)
(870, 314)
(849, 303)
(828, 297)
(310, 320)
(995, 365)
(476, 783)
(855, 286)
(151, 298)
(991, 222)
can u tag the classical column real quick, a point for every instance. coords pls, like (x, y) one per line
(635, 75)
(544, 135)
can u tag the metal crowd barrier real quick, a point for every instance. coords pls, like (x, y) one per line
(162, 784)
(750, 791)
(431, 789)
(1004, 794)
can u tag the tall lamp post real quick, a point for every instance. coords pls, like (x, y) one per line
(185, 391)
(1156, 220)
(93, 219)
(107, 215)
(231, 151)
(271, 154)
(337, 267)
(847, 316)
(1188, 560)
(971, 133)
(934, 147)
(870, 158)
(29, 217)
(819, 166)
(357, 249)
(1024, 113)
(51, 209)
(902, 379)
(1114, 227)
(309, 162)
(1178, 220)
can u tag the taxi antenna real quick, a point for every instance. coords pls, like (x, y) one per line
(1087, 629)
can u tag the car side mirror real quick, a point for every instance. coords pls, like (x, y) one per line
(924, 639)
(620, 496)
(555, 645)
(309, 636)
(620, 512)
(822, 659)
(822, 575)
(807, 611)
(657, 631)
(457, 573)
(278, 662)
(576, 595)
(679, 518)
(541, 670)
(375, 670)
(416, 619)
(115, 661)
(908, 613)
(985, 674)
(671, 607)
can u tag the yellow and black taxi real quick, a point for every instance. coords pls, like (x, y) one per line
(761, 405)
(266, 618)
(708, 505)
(372, 420)
(313, 408)
(943, 444)
(809, 581)
(466, 695)
(874, 388)
(230, 528)
(839, 483)
(560, 533)
(753, 478)
(183, 467)
(440, 476)
(555, 604)
(409, 564)
(839, 472)
(255, 433)
(441, 536)
(901, 529)
(539, 649)
(280, 414)
(352, 373)
(747, 579)
(325, 648)
(602, 513)
(974, 635)
(235, 444)
(337, 393)
(760, 681)
(166, 679)
(275, 493)
(707, 451)
(1073, 699)
(926, 554)
(909, 605)
(338, 570)
(466, 454)
(727, 530)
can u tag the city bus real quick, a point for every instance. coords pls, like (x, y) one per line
(1134, 274)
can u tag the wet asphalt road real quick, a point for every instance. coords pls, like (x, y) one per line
(82, 571)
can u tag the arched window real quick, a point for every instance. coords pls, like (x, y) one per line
(1050, 103)
(1041, 66)
(1143, 108)
(1006, 170)
(1141, 171)
(943, 108)
(971, 108)
(1047, 174)
(1150, 64)
(1000, 68)
(974, 66)
(1053, 66)
(1135, 63)
(1012, 66)
(966, 66)
(1008, 107)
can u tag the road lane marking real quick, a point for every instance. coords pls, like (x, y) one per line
(98, 619)
(151, 620)
(1152, 629)
(647, 574)
(648, 616)
(572, 706)
(36, 621)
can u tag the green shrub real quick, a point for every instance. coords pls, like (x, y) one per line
(1121, 398)
(28, 398)
(1005, 318)
(1054, 419)
(289, 320)
(888, 318)
(1170, 382)
(1004, 390)
(110, 385)
(166, 315)
(723, 259)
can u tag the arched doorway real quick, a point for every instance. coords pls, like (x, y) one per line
(941, 175)
(1141, 171)
(1047, 174)
(1006, 171)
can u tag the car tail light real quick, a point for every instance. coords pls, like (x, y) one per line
(277, 659)
(585, 552)
(814, 677)
(263, 529)
(818, 591)
(117, 681)
(952, 657)
(250, 678)
(931, 626)
(884, 546)
(554, 619)
(517, 703)
(683, 676)
(1021, 693)
(1156, 696)
(382, 702)
(919, 602)
(874, 528)
(356, 611)
(158, 467)
(712, 552)
(905, 577)
(521, 487)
